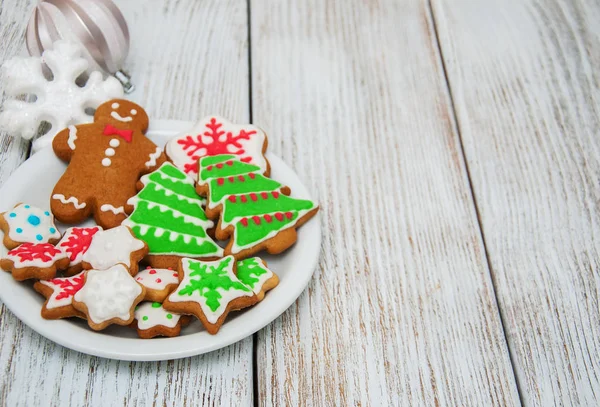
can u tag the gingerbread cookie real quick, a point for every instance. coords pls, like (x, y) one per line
(75, 242)
(254, 273)
(117, 245)
(34, 260)
(168, 216)
(152, 320)
(214, 135)
(159, 283)
(59, 294)
(28, 224)
(108, 297)
(106, 158)
(209, 290)
(255, 210)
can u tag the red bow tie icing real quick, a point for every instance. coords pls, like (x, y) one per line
(113, 131)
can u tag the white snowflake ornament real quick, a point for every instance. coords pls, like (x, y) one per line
(59, 101)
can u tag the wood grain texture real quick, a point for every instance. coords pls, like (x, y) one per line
(401, 309)
(187, 59)
(524, 77)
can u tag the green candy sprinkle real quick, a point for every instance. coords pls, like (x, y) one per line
(156, 305)
(145, 318)
(169, 316)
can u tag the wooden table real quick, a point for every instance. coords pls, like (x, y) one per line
(454, 147)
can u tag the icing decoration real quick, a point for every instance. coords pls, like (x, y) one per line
(106, 162)
(153, 157)
(168, 216)
(157, 279)
(76, 242)
(109, 294)
(71, 199)
(27, 223)
(126, 134)
(116, 211)
(59, 101)
(213, 285)
(151, 314)
(110, 247)
(253, 273)
(252, 203)
(72, 137)
(41, 255)
(213, 136)
(64, 290)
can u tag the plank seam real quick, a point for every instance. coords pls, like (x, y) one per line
(473, 196)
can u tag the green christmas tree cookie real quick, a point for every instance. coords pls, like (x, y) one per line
(255, 210)
(210, 290)
(168, 216)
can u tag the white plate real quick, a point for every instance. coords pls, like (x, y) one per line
(33, 182)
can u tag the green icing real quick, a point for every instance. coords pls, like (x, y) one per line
(171, 243)
(259, 183)
(178, 187)
(214, 159)
(232, 210)
(236, 168)
(241, 209)
(209, 280)
(153, 193)
(250, 270)
(168, 223)
(245, 236)
(172, 171)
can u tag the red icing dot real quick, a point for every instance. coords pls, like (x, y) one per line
(169, 268)
(230, 179)
(289, 215)
(158, 280)
(175, 275)
(252, 175)
(256, 220)
(152, 271)
(209, 168)
(148, 267)
(241, 178)
(268, 218)
(279, 216)
(220, 165)
(243, 198)
(244, 221)
(253, 196)
(275, 194)
(264, 195)
(232, 198)
(230, 163)
(220, 181)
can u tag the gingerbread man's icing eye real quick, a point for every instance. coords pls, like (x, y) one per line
(133, 112)
(115, 105)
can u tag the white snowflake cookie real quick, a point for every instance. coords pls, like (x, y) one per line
(108, 297)
(113, 246)
(27, 224)
(59, 101)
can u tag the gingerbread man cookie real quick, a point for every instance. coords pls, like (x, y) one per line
(106, 158)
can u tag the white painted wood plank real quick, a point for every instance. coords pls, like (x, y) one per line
(524, 77)
(401, 309)
(188, 59)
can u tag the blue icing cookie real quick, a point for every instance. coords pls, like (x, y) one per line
(28, 224)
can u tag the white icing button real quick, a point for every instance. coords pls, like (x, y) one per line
(115, 105)
(133, 112)
(114, 143)
(106, 162)
(110, 152)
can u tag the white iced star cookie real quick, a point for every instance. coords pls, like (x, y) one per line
(28, 224)
(117, 245)
(108, 297)
(153, 320)
(159, 283)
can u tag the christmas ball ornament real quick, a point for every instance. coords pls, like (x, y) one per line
(97, 25)
(59, 101)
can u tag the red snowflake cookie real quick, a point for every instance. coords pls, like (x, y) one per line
(34, 260)
(59, 293)
(75, 243)
(214, 135)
